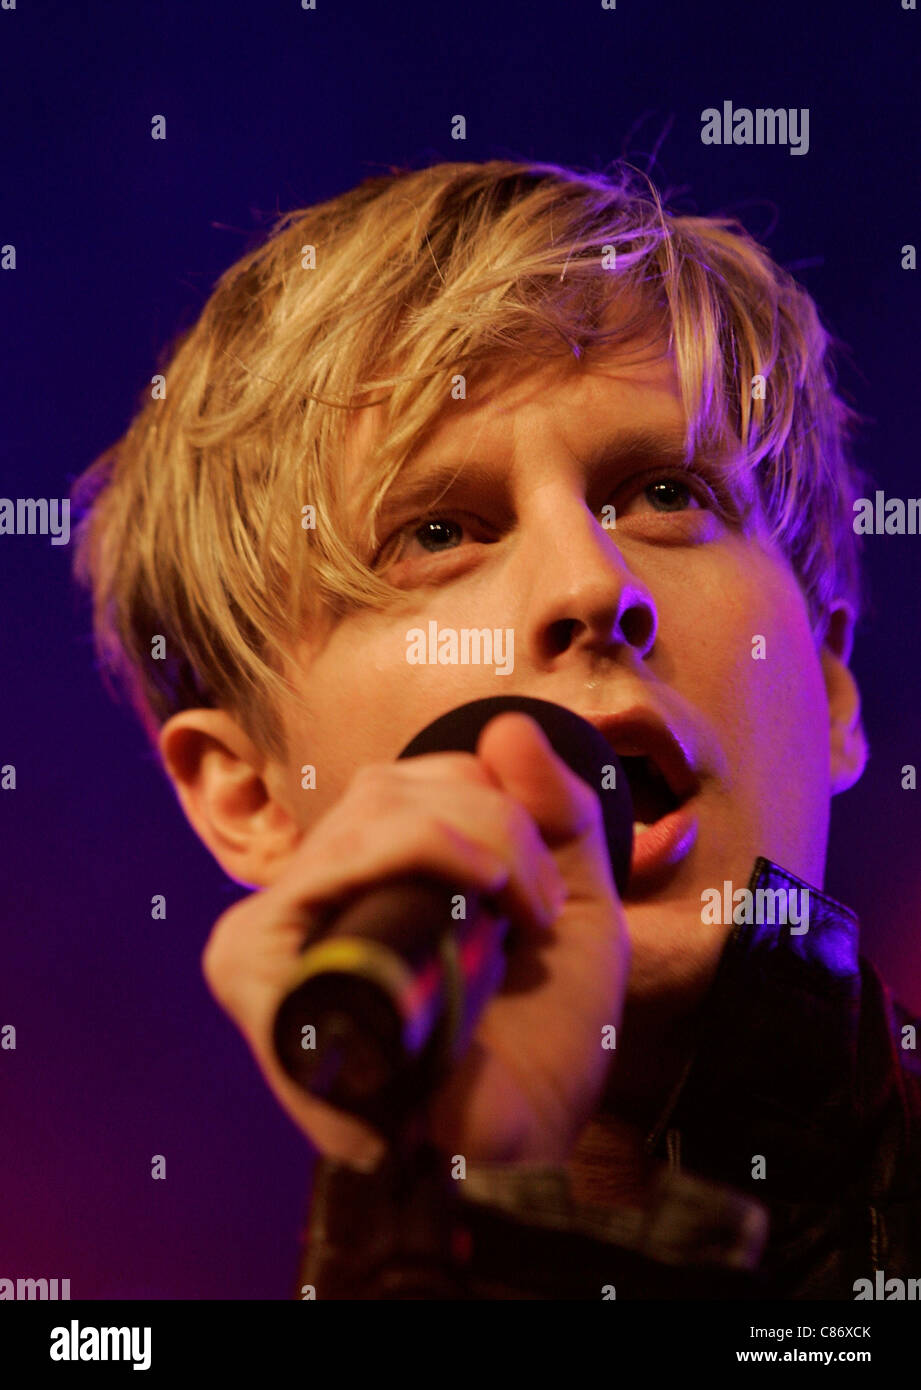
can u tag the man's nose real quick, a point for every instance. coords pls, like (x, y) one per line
(582, 596)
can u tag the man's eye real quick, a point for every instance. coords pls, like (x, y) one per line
(437, 533)
(671, 494)
(433, 534)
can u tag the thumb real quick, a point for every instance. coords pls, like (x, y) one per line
(518, 754)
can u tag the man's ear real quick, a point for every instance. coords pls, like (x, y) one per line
(848, 742)
(232, 796)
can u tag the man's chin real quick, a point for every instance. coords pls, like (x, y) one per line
(674, 954)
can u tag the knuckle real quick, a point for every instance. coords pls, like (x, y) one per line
(213, 962)
(430, 838)
(470, 766)
(518, 825)
(373, 791)
(219, 951)
(427, 834)
(215, 945)
(372, 780)
(344, 841)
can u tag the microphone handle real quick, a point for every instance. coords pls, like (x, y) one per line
(388, 992)
(386, 999)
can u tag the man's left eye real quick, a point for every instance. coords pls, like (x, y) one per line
(671, 494)
(437, 533)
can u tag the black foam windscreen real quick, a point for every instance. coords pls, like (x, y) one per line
(572, 738)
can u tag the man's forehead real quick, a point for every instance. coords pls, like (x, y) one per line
(508, 389)
(647, 426)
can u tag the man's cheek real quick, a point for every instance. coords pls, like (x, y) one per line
(782, 732)
(777, 699)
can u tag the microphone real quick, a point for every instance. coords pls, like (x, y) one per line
(386, 994)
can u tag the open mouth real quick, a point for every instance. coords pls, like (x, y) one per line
(664, 783)
(664, 825)
(652, 796)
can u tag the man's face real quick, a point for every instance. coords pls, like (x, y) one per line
(660, 617)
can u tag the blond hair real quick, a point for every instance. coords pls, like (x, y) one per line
(191, 523)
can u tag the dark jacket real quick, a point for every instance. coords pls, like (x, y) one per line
(803, 1059)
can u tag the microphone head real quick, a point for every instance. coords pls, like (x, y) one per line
(572, 738)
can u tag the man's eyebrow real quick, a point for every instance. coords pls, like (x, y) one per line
(637, 448)
(424, 484)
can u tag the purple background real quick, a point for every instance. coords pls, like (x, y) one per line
(121, 1053)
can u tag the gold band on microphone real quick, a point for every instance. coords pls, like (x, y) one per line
(356, 956)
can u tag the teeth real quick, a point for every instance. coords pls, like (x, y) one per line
(639, 826)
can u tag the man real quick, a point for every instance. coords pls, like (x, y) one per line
(518, 398)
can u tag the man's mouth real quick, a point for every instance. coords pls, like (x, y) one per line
(663, 782)
(652, 797)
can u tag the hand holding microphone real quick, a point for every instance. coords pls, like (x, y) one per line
(515, 825)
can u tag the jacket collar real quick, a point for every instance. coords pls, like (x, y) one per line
(773, 1068)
